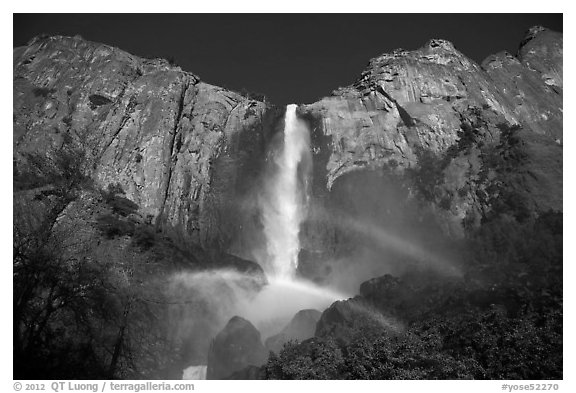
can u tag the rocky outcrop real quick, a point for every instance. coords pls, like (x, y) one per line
(235, 348)
(182, 149)
(300, 328)
(403, 101)
(532, 81)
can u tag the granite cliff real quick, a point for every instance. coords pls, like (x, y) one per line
(187, 152)
(138, 169)
(181, 149)
(430, 139)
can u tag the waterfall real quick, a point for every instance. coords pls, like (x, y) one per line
(285, 205)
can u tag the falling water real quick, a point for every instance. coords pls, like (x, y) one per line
(285, 206)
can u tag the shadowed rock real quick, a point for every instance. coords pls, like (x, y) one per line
(247, 373)
(346, 318)
(237, 346)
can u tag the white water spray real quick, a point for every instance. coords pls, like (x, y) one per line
(285, 206)
(195, 373)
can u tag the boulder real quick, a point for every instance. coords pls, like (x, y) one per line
(345, 319)
(236, 347)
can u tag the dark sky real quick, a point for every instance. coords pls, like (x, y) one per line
(289, 57)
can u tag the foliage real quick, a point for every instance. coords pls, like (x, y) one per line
(61, 172)
(113, 226)
(497, 186)
(170, 59)
(523, 258)
(253, 95)
(472, 345)
(82, 310)
(144, 237)
(85, 312)
(120, 205)
(504, 162)
(525, 347)
(121, 221)
(428, 176)
(49, 283)
(317, 358)
(389, 356)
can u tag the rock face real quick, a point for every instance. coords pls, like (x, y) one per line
(300, 328)
(235, 348)
(188, 153)
(432, 123)
(181, 148)
(532, 81)
(407, 100)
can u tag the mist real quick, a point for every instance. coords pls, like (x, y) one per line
(204, 302)
(314, 249)
(377, 250)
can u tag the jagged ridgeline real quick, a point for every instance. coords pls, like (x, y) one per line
(435, 197)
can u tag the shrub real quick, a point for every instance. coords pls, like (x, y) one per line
(525, 347)
(122, 206)
(252, 95)
(316, 358)
(112, 226)
(428, 175)
(114, 189)
(62, 170)
(119, 204)
(144, 237)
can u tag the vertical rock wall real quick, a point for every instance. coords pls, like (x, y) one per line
(182, 149)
